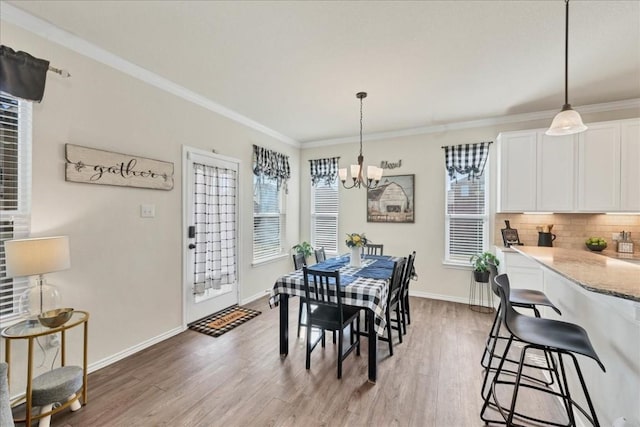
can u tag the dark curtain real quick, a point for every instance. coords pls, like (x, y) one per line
(22, 75)
(466, 159)
(324, 170)
(272, 164)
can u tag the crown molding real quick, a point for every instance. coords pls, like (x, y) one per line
(72, 42)
(492, 121)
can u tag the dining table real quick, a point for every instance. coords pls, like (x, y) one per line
(365, 286)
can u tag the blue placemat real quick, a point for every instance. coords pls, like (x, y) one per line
(382, 257)
(383, 263)
(344, 280)
(332, 264)
(374, 273)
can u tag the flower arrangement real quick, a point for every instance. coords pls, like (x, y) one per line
(355, 240)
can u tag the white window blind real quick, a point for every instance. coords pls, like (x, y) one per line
(268, 219)
(15, 192)
(324, 216)
(466, 217)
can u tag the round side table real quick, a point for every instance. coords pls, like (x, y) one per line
(31, 329)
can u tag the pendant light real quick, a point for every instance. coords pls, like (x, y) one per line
(374, 174)
(567, 121)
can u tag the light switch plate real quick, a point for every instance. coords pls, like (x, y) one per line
(147, 211)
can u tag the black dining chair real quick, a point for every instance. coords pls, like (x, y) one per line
(300, 261)
(320, 255)
(393, 304)
(373, 249)
(322, 289)
(550, 336)
(404, 299)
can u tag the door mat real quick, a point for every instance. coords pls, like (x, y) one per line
(223, 321)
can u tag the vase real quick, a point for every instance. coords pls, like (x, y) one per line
(355, 257)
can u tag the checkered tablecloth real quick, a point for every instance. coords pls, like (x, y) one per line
(361, 292)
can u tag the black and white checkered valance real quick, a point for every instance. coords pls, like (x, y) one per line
(324, 170)
(272, 164)
(466, 159)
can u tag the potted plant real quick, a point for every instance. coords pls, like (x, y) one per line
(303, 248)
(480, 263)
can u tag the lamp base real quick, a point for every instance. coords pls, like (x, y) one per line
(37, 299)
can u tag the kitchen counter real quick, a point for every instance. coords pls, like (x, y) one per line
(592, 271)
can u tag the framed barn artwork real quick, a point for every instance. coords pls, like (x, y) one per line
(392, 200)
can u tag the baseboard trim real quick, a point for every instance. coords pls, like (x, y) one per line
(419, 294)
(132, 350)
(252, 298)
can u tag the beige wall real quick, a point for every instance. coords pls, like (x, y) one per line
(126, 270)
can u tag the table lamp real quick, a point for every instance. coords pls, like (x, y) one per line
(29, 257)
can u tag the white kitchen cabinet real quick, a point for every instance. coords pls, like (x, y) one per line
(517, 171)
(556, 172)
(630, 166)
(536, 172)
(599, 168)
(594, 171)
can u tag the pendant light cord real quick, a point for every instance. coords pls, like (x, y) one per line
(566, 55)
(361, 126)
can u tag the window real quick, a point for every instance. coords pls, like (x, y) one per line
(466, 217)
(268, 218)
(324, 216)
(15, 192)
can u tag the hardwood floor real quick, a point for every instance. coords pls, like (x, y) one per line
(238, 379)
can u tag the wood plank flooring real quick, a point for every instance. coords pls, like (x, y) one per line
(238, 379)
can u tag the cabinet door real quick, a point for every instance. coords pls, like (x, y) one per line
(517, 169)
(599, 168)
(556, 173)
(630, 166)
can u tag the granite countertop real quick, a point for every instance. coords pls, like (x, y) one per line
(593, 271)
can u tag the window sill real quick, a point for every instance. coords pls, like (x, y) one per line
(269, 260)
(456, 265)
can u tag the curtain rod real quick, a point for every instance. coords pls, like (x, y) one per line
(63, 73)
(445, 146)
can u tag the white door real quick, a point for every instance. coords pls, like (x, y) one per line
(210, 198)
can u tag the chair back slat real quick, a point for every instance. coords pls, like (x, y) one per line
(320, 255)
(299, 261)
(322, 288)
(395, 286)
(373, 249)
(408, 272)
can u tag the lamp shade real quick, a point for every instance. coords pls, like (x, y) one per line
(566, 122)
(27, 257)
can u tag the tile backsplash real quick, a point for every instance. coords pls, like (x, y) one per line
(571, 230)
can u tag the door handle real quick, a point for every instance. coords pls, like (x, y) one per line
(192, 245)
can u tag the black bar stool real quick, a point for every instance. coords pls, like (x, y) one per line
(522, 298)
(550, 336)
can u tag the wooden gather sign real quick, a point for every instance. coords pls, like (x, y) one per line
(93, 166)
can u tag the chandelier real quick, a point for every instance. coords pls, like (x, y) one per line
(568, 120)
(374, 174)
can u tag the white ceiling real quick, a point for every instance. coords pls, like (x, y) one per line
(295, 66)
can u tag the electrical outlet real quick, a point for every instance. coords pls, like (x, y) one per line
(147, 211)
(616, 236)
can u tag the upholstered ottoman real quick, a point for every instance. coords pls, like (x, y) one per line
(57, 385)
